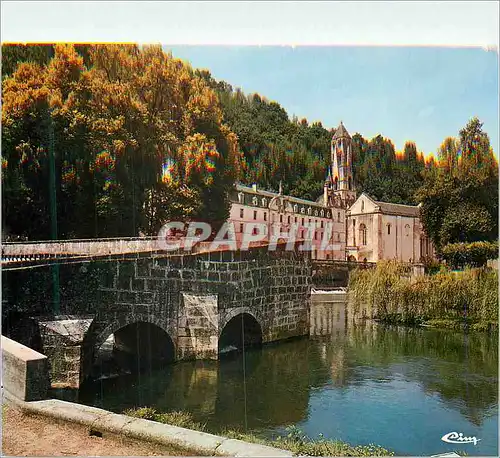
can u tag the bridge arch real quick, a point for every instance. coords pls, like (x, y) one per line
(140, 342)
(239, 327)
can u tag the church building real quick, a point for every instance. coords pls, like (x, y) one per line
(363, 229)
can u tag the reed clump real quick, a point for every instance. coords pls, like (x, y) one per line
(447, 299)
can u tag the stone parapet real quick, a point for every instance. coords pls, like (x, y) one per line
(24, 371)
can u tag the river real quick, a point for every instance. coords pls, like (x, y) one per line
(400, 388)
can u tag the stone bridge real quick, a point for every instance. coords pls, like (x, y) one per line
(159, 307)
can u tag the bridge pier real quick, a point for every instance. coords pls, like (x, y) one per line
(62, 339)
(198, 326)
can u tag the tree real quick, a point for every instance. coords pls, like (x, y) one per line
(460, 197)
(133, 128)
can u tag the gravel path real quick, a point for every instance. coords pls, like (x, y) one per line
(27, 435)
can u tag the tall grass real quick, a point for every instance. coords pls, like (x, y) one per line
(295, 441)
(175, 418)
(389, 294)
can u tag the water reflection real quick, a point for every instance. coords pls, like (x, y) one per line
(402, 388)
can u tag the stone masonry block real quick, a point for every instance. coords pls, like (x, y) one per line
(25, 371)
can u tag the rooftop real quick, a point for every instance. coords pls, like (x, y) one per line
(261, 192)
(341, 132)
(399, 209)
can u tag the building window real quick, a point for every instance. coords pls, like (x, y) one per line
(362, 234)
(388, 229)
(255, 201)
(254, 231)
(240, 197)
(255, 214)
(295, 208)
(289, 219)
(241, 227)
(322, 213)
(242, 212)
(265, 216)
(302, 221)
(362, 205)
(281, 218)
(264, 202)
(338, 236)
(296, 219)
(338, 217)
(407, 230)
(321, 224)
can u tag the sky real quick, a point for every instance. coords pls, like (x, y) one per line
(422, 94)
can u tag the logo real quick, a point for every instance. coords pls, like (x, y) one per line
(459, 438)
(177, 235)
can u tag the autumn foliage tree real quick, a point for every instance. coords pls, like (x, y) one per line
(138, 139)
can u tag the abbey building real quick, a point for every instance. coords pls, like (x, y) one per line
(358, 228)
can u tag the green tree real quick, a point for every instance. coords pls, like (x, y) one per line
(460, 196)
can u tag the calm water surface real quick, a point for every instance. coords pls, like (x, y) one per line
(399, 388)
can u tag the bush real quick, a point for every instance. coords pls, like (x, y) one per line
(432, 266)
(475, 254)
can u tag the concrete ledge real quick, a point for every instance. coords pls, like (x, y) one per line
(25, 372)
(104, 421)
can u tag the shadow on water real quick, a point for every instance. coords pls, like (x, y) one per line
(344, 383)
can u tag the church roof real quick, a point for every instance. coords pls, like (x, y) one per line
(270, 194)
(388, 208)
(399, 209)
(341, 132)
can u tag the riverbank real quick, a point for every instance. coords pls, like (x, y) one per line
(24, 434)
(295, 441)
(447, 299)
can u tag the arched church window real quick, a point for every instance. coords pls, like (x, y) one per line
(423, 247)
(407, 230)
(362, 234)
(362, 205)
(338, 217)
(388, 229)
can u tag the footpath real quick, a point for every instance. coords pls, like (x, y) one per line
(31, 435)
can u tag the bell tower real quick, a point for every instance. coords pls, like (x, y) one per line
(340, 180)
